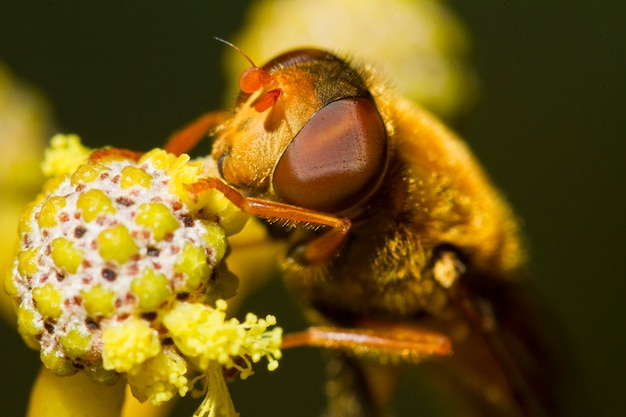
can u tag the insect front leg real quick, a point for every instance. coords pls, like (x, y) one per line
(319, 250)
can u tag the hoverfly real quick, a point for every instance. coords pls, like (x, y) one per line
(400, 249)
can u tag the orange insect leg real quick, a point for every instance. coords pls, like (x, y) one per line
(318, 250)
(390, 340)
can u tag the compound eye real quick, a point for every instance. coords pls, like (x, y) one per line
(220, 164)
(337, 160)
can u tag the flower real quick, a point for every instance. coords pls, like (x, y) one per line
(120, 273)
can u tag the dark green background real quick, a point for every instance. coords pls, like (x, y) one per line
(549, 128)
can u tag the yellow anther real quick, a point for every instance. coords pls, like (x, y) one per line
(98, 301)
(151, 289)
(65, 255)
(93, 204)
(117, 244)
(161, 377)
(158, 218)
(48, 300)
(49, 214)
(128, 344)
(134, 176)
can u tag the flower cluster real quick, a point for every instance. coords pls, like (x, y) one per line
(119, 272)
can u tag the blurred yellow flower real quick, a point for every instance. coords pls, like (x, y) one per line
(419, 45)
(25, 126)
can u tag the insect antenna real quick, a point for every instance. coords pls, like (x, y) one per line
(255, 78)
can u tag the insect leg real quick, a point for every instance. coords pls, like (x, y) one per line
(383, 340)
(319, 250)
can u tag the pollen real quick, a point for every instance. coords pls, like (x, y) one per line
(152, 290)
(48, 301)
(128, 344)
(93, 204)
(161, 377)
(116, 244)
(65, 255)
(134, 176)
(158, 218)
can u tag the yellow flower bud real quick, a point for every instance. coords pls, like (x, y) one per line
(57, 363)
(27, 262)
(158, 218)
(192, 262)
(25, 225)
(28, 322)
(231, 217)
(215, 238)
(134, 176)
(75, 344)
(9, 285)
(49, 300)
(98, 301)
(65, 255)
(158, 158)
(49, 214)
(151, 288)
(117, 244)
(94, 203)
(86, 173)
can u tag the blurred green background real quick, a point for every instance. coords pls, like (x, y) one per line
(549, 128)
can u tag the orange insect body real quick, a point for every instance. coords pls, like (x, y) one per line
(396, 233)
